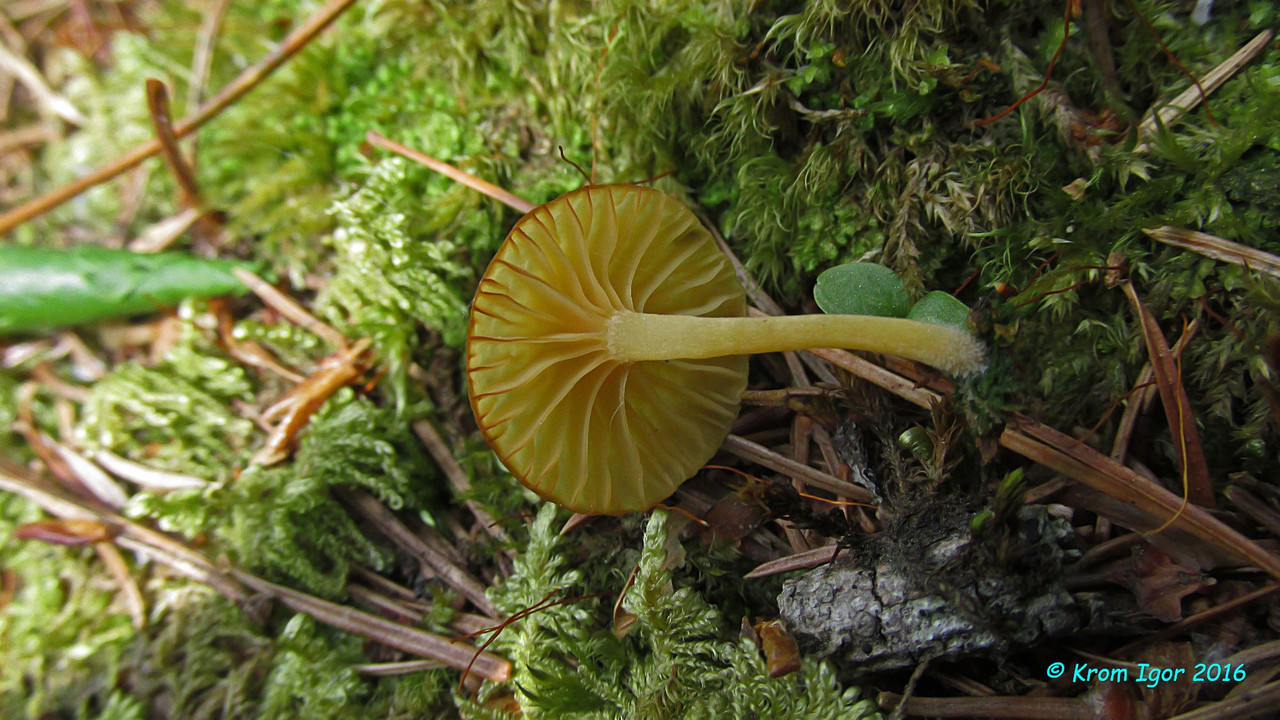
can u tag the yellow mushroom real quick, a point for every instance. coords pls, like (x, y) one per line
(607, 347)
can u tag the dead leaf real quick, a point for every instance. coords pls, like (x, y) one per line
(1158, 581)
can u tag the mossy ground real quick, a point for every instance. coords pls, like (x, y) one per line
(810, 133)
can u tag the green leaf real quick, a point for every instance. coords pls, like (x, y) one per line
(941, 309)
(861, 289)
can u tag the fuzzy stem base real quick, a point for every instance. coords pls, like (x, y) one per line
(634, 337)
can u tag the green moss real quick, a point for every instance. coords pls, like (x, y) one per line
(674, 661)
(177, 415)
(201, 656)
(286, 522)
(62, 637)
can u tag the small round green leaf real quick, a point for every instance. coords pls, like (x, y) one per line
(941, 309)
(861, 289)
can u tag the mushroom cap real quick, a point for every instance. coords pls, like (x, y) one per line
(589, 433)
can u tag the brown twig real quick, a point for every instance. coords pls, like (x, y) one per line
(386, 632)
(443, 456)
(156, 481)
(289, 308)
(162, 123)
(182, 559)
(202, 58)
(1259, 703)
(1084, 464)
(1129, 419)
(44, 374)
(404, 667)
(294, 410)
(1094, 14)
(37, 134)
(395, 609)
(248, 352)
(162, 234)
(49, 102)
(130, 535)
(1171, 631)
(759, 454)
(503, 196)
(1254, 507)
(879, 376)
(801, 432)
(436, 563)
(128, 587)
(244, 82)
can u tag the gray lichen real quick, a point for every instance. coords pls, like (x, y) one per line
(906, 599)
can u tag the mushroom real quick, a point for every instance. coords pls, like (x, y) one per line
(606, 349)
(606, 352)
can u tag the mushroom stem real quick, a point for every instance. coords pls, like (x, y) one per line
(633, 337)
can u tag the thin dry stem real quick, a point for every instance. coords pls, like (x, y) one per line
(1062, 453)
(190, 563)
(443, 456)
(405, 667)
(401, 637)
(1146, 390)
(759, 454)
(295, 409)
(1171, 631)
(162, 123)
(129, 591)
(1023, 708)
(145, 477)
(1192, 96)
(1255, 507)
(1197, 485)
(202, 58)
(1259, 703)
(162, 234)
(37, 134)
(505, 197)
(289, 308)
(49, 101)
(806, 560)
(1217, 248)
(388, 524)
(801, 431)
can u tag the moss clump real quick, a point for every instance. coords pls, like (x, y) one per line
(62, 636)
(286, 521)
(177, 415)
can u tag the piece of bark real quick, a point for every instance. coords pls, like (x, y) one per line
(927, 589)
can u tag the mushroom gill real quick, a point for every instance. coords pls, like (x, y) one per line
(572, 421)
